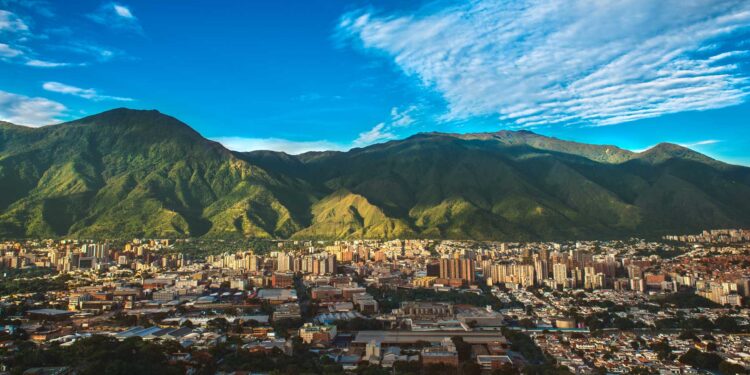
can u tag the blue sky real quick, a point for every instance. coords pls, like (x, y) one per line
(328, 74)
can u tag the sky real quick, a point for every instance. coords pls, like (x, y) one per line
(296, 76)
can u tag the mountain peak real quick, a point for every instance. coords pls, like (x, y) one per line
(665, 151)
(150, 119)
(122, 113)
(598, 153)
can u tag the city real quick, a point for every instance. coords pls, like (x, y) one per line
(374, 187)
(678, 305)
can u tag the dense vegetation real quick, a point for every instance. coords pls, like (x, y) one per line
(108, 356)
(711, 361)
(684, 300)
(126, 173)
(726, 324)
(389, 299)
(101, 355)
(32, 285)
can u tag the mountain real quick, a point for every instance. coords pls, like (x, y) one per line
(128, 173)
(137, 173)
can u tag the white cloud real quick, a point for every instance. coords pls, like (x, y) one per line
(11, 23)
(100, 53)
(8, 51)
(24, 110)
(403, 117)
(40, 7)
(384, 131)
(18, 51)
(700, 143)
(90, 94)
(116, 16)
(45, 64)
(379, 133)
(691, 145)
(540, 62)
(122, 11)
(276, 144)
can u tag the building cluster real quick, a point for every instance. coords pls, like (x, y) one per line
(384, 302)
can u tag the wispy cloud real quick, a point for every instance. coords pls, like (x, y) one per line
(378, 133)
(46, 64)
(95, 51)
(123, 11)
(276, 144)
(7, 51)
(12, 30)
(18, 46)
(90, 94)
(30, 111)
(403, 117)
(399, 118)
(544, 62)
(315, 96)
(41, 7)
(700, 143)
(695, 144)
(10, 22)
(117, 16)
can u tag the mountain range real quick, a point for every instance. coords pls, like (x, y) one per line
(131, 173)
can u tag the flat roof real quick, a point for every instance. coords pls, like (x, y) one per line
(411, 337)
(276, 292)
(50, 312)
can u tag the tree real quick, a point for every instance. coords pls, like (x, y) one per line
(421, 344)
(727, 324)
(689, 335)
(728, 368)
(219, 324)
(699, 359)
(624, 324)
(462, 347)
(283, 326)
(506, 369)
(470, 368)
(663, 349)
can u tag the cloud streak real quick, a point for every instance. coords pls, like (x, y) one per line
(116, 16)
(89, 94)
(46, 64)
(30, 111)
(399, 118)
(378, 133)
(7, 51)
(9, 22)
(700, 143)
(276, 144)
(691, 145)
(540, 62)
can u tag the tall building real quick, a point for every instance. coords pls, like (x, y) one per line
(541, 270)
(560, 274)
(284, 262)
(458, 268)
(467, 269)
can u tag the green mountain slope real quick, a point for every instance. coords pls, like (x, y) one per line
(126, 173)
(133, 173)
(346, 215)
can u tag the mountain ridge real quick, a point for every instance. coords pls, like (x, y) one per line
(143, 173)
